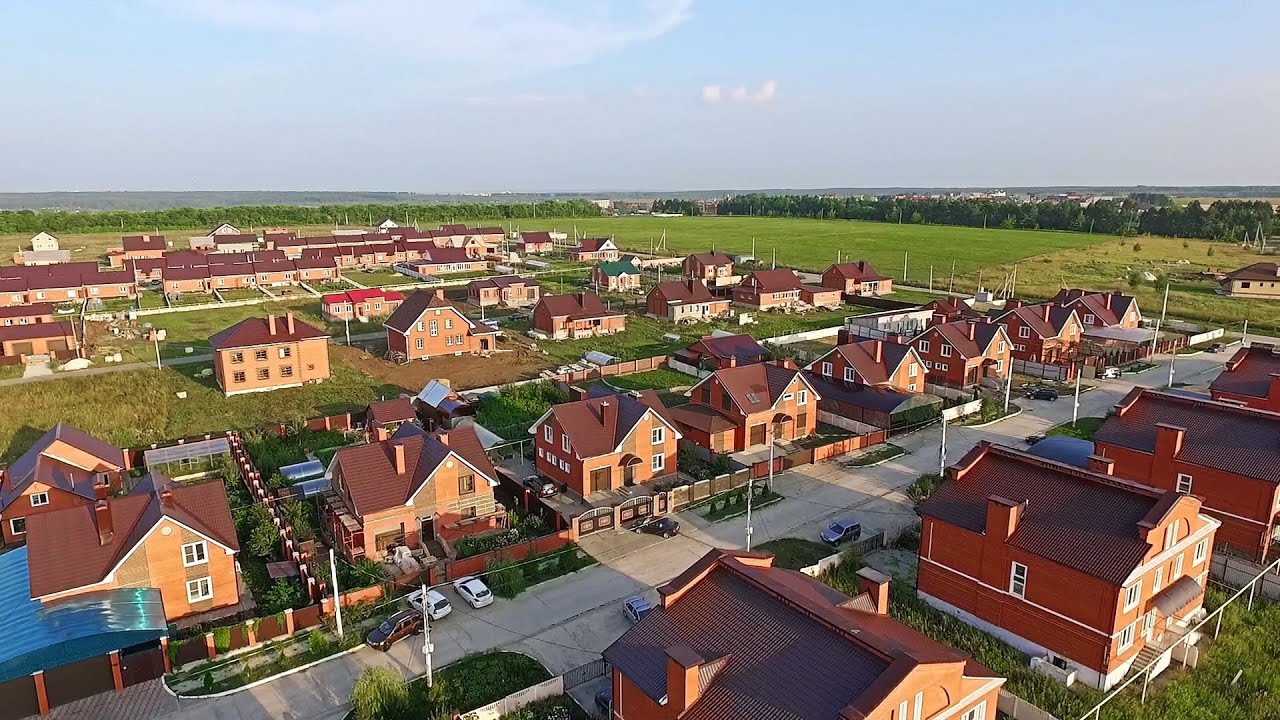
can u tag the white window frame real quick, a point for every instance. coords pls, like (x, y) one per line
(1171, 535)
(913, 370)
(564, 442)
(1014, 581)
(39, 499)
(658, 462)
(1132, 595)
(203, 588)
(788, 397)
(802, 397)
(657, 436)
(1157, 580)
(13, 526)
(924, 346)
(1183, 485)
(902, 710)
(1201, 552)
(548, 433)
(977, 712)
(1024, 332)
(919, 706)
(1177, 567)
(946, 350)
(826, 370)
(911, 387)
(199, 554)
(1125, 637)
(849, 374)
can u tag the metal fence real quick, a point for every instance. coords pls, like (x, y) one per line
(585, 673)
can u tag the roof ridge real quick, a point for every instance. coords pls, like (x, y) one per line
(1207, 402)
(1081, 473)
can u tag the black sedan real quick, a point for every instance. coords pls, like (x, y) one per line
(540, 486)
(664, 526)
(1043, 394)
(394, 629)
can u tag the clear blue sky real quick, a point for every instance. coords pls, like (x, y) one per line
(526, 95)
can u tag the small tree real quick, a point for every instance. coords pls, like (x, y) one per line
(379, 693)
(282, 594)
(1137, 247)
(1209, 252)
(264, 537)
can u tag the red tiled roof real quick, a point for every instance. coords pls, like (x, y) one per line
(36, 330)
(774, 644)
(34, 464)
(591, 244)
(712, 258)
(861, 356)
(417, 303)
(369, 471)
(35, 310)
(186, 273)
(1108, 308)
(597, 426)
(1219, 435)
(754, 388)
(503, 281)
(1257, 271)
(1033, 317)
(361, 295)
(63, 545)
(256, 331)
(143, 242)
(684, 291)
(1249, 371)
(952, 307)
(577, 306)
(742, 346)
(388, 411)
(860, 271)
(445, 255)
(1080, 519)
(535, 238)
(776, 280)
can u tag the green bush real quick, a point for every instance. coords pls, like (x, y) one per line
(379, 693)
(510, 411)
(270, 451)
(318, 644)
(504, 578)
(519, 529)
(298, 513)
(222, 639)
(283, 593)
(924, 486)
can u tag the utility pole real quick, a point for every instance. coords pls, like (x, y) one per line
(942, 449)
(951, 286)
(1008, 387)
(904, 267)
(1163, 308)
(337, 598)
(773, 264)
(427, 647)
(1244, 334)
(155, 337)
(347, 323)
(1172, 355)
(930, 278)
(1075, 407)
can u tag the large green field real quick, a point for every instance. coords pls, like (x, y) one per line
(814, 244)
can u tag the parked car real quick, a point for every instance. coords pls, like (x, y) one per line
(475, 592)
(394, 629)
(635, 608)
(540, 486)
(437, 605)
(1214, 348)
(604, 701)
(664, 526)
(1043, 394)
(841, 531)
(1111, 373)
(1033, 439)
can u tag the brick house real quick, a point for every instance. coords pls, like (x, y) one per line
(714, 269)
(427, 325)
(1044, 333)
(59, 471)
(713, 352)
(876, 363)
(603, 444)
(580, 315)
(135, 247)
(1224, 454)
(261, 354)
(784, 645)
(594, 250)
(410, 488)
(1079, 569)
(856, 279)
(952, 308)
(745, 407)
(1251, 377)
(56, 339)
(26, 314)
(963, 353)
(445, 260)
(782, 289)
(1259, 280)
(617, 276)
(361, 305)
(533, 243)
(510, 291)
(178, 539)
(179, 280)
(1101, 309)
(686, 301)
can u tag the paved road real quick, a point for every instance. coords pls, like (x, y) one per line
(568, 621)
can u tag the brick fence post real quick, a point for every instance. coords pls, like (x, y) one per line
(164, 648)
(210, 645)
(42, 697)
(289, 627)
(116, 679)
(249, 634)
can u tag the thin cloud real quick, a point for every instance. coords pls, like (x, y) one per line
(710, 94)
(494, 37)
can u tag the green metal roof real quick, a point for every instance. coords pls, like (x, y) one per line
(618, 267)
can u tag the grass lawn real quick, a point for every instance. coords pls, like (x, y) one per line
(510, 411)
(660, 379)
(11, 371)
(1084, 429)
(795, 553)
(192, 299)
(135, 407)
(888, 451)
(377, 278)
(241, 294)
(150, 300)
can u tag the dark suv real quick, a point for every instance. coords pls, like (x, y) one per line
(396, 628)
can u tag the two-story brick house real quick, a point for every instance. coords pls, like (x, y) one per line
(580, 315)
(1251, 377)
(361, 305)
(856, 279)
(714, 269)
(510, 291)
(875, 363)
(594, 250)
(734, 636)
(427, 325)
(748, 406)
(716, 351)
(178, 539)
(59, 471)
(534, 243)
(782, 289)
(605, 443)
(617, 276)
(271, 353)
(1101, 309)
(410, 488)
(1224, 454)
(1077, 568)
(1044, 333)
(686, 301)
(963, 353)
(137, 247)
(951, 308)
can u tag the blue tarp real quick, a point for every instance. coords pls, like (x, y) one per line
(38, 637)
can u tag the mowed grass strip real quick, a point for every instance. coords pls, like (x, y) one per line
(132, 408)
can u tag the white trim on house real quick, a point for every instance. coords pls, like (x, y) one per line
(964, 702)
(493, 483)
(1210, 524)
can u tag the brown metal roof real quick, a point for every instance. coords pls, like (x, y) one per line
(35, 464)
(388, 411)
(256, 331)
(64, 548)
(578, 306)
(1257, 271)
(369, 471)
(684, 291)
(755, 388)
(776, 280)
(418, 302)
(860, 271)
(37, 330)
(1249, 371)
(597, 426)
(34, 310)
(861, 356)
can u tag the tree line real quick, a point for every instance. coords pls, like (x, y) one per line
(260, 216)
(677, 205)
(1223, 220)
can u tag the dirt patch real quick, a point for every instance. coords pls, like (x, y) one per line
(465, 371)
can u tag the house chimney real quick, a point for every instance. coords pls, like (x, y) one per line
(1045, 311)
(683, 684)
(166, 498)
(1099, 464)
(380, 434)
(101, 490)
(1003, 515)
(398, 448)
(878, 351)
(443, 437)
(577, 393)
(1169, 440)
(288, 321)
(876, 584)
(102, 517)
(439, 293)
(973, 331)
(271, 324)
(1108, 296)
(608, 413)
(731, 361)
